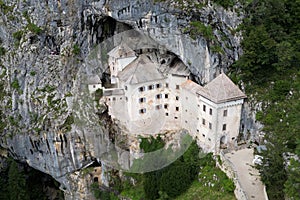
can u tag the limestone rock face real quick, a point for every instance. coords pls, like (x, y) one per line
(47, 42)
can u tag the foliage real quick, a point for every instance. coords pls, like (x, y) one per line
(225, 3)
(67, 124)
(76, 49)
(16, 183)
(269, 68)
(151, 144)
(2, 51)
(98, 94)
(198, 28)
(15, 84)
(18, 35)
(32, 73)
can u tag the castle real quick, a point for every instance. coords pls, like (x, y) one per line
(148, 99)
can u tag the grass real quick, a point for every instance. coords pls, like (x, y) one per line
(198, 191)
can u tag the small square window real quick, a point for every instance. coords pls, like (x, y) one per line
(94, 86)
(209, 139)
(142, 111)
(210, 111)
(224, 127)
(166, 96)
(177, 87)
(141, 89)
(177, 98)
(114, 98)
(175, 117)
(167, 114)
(125, 87)
(210, 125)
(126, 98)
(177, 108)
(225, 113)
(158, 107)
(150, 87)
(142, 100)
(158, 96)
(203, 121)
(197, 130)
(166, 106)
(185, 110)
(167, 85)
(158, 85)
(204, 108)
(203, 135)
(185, 121)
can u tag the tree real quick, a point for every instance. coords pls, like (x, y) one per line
(16, 183)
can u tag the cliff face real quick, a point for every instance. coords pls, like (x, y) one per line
(46, 42)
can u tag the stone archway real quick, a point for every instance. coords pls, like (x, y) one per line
(223, 142)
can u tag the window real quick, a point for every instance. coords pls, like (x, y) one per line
(166, 96)
(203, 135)
(185, 110)
(167, 85)
(158, 85)
(224, 127)
(185, 121)
(166, 106)
(210, 125)
(197, 130)
(114, 98)
(177, 98)
(150, 87)
(143, 110)
(177, 108)
(177, 87)
(175, 117)
(94, 86)
(203, 121)
(204, 108)
(209, 139)
(142, 89)
(186, 98)
(125, 87)
(126, 98)
(158, 96)
(210, 111)
(225, 113)
(142, 100)
(167, 114)
(158, 107)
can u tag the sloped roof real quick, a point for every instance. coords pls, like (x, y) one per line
(141, 70)
(177, 69)
(222, 89)
(94, 79)
(194, 87)
(121, 50)
(219, 90)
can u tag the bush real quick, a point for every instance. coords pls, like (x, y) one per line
(15, 84)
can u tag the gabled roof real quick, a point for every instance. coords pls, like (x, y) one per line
(222, 89)
(140, 70)
(121, 50)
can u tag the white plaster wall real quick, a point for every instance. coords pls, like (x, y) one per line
(123, 62)
(93, 88)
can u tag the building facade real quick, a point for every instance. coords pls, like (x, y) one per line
(145, 99)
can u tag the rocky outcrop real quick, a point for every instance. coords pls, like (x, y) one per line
(46, 45)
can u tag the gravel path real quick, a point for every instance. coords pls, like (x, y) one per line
(248, 175)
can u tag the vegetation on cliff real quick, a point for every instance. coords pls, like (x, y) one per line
(269, 68)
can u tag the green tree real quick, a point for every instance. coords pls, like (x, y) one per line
(16, 183)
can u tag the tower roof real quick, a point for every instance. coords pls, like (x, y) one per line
(122, 50)
(141, 70)
(222, 89)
